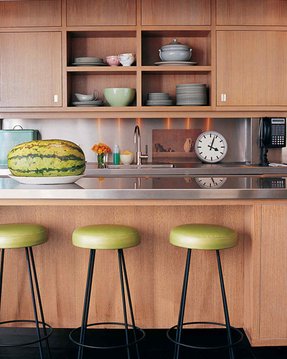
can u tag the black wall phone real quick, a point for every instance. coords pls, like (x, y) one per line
(273, 132)
(272, 135)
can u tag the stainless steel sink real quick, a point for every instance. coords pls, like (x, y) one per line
(143, 166)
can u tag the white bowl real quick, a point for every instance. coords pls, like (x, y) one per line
(126, 159)
(127, 59)
(84, 97)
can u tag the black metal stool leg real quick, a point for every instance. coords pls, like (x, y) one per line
(182, 304)
(129, 299)
(1, 272)
(224, 301)
(34, 303)
(124, 301)
(87, 302)
(39, 297)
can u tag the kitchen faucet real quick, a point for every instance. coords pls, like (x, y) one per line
(137, 142)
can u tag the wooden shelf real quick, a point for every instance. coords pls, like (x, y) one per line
(173, 68)
(165, 109)
(102, 69)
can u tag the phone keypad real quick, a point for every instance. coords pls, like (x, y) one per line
(278, 136)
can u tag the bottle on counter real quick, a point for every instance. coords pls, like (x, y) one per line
(116, 155)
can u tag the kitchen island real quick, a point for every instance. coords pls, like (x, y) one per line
(255, 271)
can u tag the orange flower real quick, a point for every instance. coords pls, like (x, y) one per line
(101, 148)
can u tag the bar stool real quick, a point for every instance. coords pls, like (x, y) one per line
(203, 237)
(26, 236)
(109, 237)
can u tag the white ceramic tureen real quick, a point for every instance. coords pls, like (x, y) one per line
(175, 51)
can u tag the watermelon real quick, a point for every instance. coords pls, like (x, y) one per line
(46, 158)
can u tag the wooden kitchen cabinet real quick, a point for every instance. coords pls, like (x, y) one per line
(180, 12)
(251, 67)
(273, 280)
(255, 12)
(30, 69)
(101, 12)
(30, 13)
(240, 48)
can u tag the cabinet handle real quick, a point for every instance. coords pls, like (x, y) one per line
(223, 97)
(56, 98)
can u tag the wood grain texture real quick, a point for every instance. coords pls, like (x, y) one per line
(30, 13)
(159, 82)
(255, 12)
(250, 65)
(180, 12)
(101, 12)
(155, 267)
(273, 280)
(100, 44)
(83, 83)
(30, 69)
(252, 275)
(199, 42)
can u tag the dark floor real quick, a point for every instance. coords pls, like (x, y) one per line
(154, 346)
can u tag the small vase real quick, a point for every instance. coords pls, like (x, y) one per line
(187, 145)
(101, 160)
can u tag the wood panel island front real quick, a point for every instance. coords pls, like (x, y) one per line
(255, 270)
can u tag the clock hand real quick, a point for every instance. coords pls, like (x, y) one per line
(211, 145)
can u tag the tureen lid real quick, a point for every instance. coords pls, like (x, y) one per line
(175, 45)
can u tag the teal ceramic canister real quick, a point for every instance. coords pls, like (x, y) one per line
(11, 138)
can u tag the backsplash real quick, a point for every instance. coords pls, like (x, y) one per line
(174, 145)
(241, 134)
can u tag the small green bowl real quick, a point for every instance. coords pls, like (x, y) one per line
(119, 96)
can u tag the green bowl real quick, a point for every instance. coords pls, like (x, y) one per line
(119, 96)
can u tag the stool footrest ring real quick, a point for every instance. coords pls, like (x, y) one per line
(137, 340)
(46, 336)
(205, 348)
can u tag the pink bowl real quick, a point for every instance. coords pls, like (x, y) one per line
(113, 60)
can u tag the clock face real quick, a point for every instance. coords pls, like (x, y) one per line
(210, 182)
(210, 147)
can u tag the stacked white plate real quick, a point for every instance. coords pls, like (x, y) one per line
(175, 63)
(191, 95)
(88, 103)
(159, 99)
(88, 61)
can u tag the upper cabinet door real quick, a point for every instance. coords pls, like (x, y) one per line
(30, 13)
(30, 70)
(180, 12)
(251, 68)
(254, 12)
(101, 12)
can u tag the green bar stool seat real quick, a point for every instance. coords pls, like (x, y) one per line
(26, 236)
(202, 237)
(107, 237)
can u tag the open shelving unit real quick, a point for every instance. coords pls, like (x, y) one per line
(144, 39)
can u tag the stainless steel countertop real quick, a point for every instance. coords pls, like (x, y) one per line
(175, 187)
(189, 169)
(184, 169)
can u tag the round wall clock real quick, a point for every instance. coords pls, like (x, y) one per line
(210, 147)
